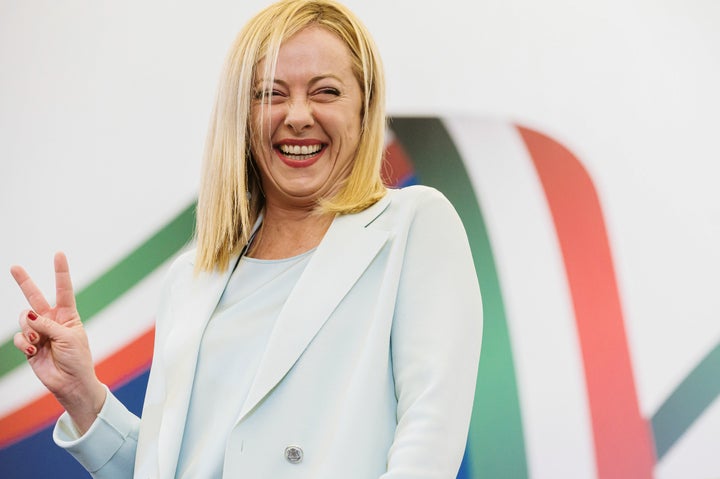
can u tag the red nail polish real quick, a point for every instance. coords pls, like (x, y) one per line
(32, 337)
(30, 350)
(32, 315)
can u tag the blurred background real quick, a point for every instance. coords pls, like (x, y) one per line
(104, 107)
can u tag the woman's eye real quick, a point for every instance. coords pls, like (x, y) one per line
(267, 95)
(327, 92)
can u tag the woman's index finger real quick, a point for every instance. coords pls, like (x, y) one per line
(30, 290)
(64, 294)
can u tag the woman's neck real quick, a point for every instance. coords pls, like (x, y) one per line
(285, 233)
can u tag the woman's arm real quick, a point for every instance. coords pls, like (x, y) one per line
(435, 345)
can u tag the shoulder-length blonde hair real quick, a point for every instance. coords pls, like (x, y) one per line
(230, 197)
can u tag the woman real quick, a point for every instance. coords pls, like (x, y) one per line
(325, 326)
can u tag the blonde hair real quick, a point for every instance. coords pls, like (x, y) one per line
(231, 198)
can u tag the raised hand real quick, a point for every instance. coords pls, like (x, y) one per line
(56, 346)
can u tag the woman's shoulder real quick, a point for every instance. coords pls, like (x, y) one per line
(184, 262)
(181, 268)
(414, 192)
(420, 200)
(402, 208)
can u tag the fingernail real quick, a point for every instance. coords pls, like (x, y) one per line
(32, 337)
(30, 350)
(32, 315)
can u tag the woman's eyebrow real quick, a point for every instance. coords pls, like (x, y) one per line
(313, 80)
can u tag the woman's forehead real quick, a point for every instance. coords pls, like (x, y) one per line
(313, 48)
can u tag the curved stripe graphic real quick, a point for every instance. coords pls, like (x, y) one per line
(623, 445)
(496, 437)
(540, 318)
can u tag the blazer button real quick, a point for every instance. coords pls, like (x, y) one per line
(294, 454)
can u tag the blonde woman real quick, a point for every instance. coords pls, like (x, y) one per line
(325, 326)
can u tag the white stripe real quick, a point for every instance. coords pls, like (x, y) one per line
(124, 320)
(548, 364)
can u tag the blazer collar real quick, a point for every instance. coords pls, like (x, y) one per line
(320, 288)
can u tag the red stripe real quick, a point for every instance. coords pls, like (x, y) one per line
(397, 166)
(125, 364)
(623, 446)
(115, 370)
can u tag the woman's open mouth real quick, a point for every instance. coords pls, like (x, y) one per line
(299, 156)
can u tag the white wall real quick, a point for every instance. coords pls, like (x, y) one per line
(103, 109)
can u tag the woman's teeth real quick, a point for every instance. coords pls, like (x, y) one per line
(297, 150)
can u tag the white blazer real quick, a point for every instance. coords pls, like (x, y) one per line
(369, 371)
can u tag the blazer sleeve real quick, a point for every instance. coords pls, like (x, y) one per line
(435, 345)
(107, 449)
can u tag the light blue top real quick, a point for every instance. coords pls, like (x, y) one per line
(230, 352)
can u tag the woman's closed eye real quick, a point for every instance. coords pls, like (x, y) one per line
(268, 95)
(326, 93)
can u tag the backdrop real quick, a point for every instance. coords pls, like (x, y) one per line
(579, 141)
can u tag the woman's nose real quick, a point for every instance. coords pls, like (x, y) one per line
(299, 116)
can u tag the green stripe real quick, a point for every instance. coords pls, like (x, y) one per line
(496, 441)
(120, 278)
(689, 400)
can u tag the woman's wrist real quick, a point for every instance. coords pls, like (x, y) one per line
(84, 404)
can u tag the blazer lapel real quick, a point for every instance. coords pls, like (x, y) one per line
(194, 305)
(340, 259)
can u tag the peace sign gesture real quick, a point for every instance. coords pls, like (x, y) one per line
(54, 340)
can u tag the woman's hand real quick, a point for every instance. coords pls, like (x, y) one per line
(56, 346)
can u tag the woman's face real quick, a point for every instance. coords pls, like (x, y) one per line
(311, 120)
